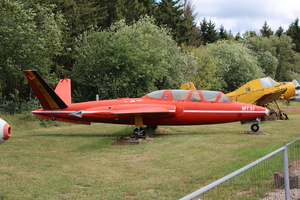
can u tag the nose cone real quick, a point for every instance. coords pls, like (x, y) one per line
(290, 92)
(5, 131)
(261, 111)
(250, 111)
(267, 111)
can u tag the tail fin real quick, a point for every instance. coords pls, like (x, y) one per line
(188, 86)
(47, 97)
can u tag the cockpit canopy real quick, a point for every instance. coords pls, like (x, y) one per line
(189, 95)
(267, 82)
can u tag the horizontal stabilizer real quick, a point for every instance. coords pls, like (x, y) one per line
(63, 119)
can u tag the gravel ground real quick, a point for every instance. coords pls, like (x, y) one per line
(279, 194)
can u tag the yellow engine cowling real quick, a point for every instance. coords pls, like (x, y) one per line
(289, 93)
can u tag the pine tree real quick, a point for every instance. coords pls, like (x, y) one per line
(192, 33)
(223, 35)
(171, 14)
(80, 16)
(266, 31)
(279, 32)
(208, 32)
(130, 10)
(294, 32)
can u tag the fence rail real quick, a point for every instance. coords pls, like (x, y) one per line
(267, 178)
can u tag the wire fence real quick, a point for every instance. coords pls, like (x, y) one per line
(272, 177)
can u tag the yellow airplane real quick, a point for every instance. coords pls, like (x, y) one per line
(263, 92)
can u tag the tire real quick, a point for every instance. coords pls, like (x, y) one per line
(139, 132)
(274, 113)
(254, 127)
(283, 116)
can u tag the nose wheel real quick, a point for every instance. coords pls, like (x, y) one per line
(254, 127)
(139, 132)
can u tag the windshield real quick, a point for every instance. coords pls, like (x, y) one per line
(156, 94)
(224, 98)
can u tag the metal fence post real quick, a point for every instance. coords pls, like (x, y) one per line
(286, 172)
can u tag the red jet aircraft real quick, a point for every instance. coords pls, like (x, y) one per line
(163, 107)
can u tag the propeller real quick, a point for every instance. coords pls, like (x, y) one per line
(297, 91)
(297, 86)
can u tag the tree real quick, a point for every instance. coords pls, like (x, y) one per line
(288, 66)
(171, 14)
(129, 10)
(238, 37)
(248, 34)
(263, 48)
(203, 69)
(266, 31)
(275, 56)
(128, 61)
(30, 36)
(294, 32)
(279, 32)
(80, 16)
(208, 32)
(223, 34)
(236, 65)
(192, 33)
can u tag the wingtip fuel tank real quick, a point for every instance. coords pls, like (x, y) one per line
(5, 131)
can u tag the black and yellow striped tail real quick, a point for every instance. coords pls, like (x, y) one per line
(46, 95)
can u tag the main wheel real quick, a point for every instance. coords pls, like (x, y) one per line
(254, 127)
(139, 132)
(283, 116)
(274, 113)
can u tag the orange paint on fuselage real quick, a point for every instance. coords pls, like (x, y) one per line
(161, 110)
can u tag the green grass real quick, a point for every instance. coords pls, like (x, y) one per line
(75, 162)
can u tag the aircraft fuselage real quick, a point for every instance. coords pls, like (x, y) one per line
(155, 111)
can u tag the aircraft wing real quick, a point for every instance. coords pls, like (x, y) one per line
(150, 111)
(144, 111)
(267, 98)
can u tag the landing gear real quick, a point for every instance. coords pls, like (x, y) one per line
(254, 127)
(280, 114)
(139, 132)
(283, 116)
(274, 113)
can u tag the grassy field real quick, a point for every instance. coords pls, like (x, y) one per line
(76, 162)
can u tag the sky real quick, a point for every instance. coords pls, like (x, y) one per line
(248, 15)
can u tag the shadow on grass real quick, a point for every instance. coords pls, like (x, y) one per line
(150, 133)
(80, 135)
